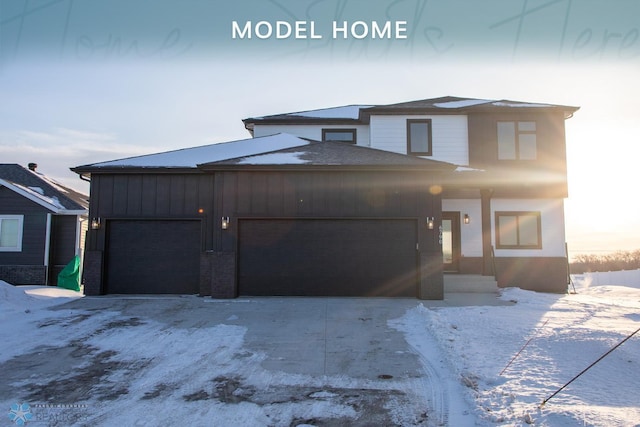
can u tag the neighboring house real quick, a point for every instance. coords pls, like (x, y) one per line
(356, 200)
(42, 226)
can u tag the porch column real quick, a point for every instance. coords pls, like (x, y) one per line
(485, 208)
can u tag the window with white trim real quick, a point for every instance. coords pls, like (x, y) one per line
(517, 141)
(11, 233)
(518, 230)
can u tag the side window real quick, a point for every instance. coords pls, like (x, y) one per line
(347, 136)
(419, 137)
(11, 233)
(518, 230)
(517, 141)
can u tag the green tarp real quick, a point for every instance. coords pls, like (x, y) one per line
(69, 277)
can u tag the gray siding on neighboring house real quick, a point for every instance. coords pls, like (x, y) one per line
(63, 243)
(26, 266)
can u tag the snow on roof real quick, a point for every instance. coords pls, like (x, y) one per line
(274, 159)
(462, 103)
(50, 181)
(350, 112)
(42, 190)
(38, 193)
(345, 112)
(192, 157)
(516, 104)
(467, 169)
(35, 194)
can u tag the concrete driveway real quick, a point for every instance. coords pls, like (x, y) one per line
(265, 361)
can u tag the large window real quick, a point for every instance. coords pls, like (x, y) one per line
(518, 230)
(11, 233)
(517, 141)
(339, 135)
(419, 137)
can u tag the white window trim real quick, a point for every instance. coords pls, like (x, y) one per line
(20, 219)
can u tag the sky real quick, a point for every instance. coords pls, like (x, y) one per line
(93, 81)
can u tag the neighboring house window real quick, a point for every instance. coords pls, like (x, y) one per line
(11, 233)
(518, 230)
(339, 135)
(419, 137)
(517, 141)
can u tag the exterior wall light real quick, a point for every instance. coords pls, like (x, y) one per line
(225, 223)
(466, 219)
(431, 222)
(95, 223)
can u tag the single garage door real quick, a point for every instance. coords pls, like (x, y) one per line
(153, 257)
(318, 257)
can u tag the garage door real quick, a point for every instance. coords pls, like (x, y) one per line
(327, 257)
(153, 257)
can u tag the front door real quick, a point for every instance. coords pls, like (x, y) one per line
(451, 241)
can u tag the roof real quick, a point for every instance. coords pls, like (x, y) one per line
(189, 158)
(333, 155)
(359, 114)
(42, 190)
(281, 150)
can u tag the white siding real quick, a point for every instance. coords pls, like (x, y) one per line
(470, 234)
(310, 131)
(449, 133)
(552, 222)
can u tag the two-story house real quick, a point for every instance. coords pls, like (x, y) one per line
(357, 200)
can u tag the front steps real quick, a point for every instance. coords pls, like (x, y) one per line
(469, 283)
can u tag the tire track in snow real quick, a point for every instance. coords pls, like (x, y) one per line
(440, 384)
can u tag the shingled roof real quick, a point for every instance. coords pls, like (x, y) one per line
(359, 114)
(333, 155)
(42, 190)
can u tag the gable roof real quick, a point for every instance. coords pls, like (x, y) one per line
(189, 158)
(359, 114)
(331, 155)
(42, 190)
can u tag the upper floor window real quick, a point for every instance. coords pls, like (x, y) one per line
(419, 137)
(517, 141)
(339, 135)
(518, 230)
(11, 233)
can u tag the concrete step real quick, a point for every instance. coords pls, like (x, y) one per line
(471, 283)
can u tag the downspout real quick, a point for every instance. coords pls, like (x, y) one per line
(47, 249)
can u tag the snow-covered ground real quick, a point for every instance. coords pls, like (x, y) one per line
(471, 350)
(565, 334)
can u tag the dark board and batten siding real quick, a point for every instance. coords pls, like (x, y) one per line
(139, 197)
(267, 195)
(150, 196)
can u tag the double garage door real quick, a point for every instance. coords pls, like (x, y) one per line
(303, 257)
(318, 257)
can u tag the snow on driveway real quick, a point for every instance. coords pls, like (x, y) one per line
(299, 362)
